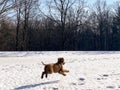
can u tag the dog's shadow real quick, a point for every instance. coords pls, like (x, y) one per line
(35, 85)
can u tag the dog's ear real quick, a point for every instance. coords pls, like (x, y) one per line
(61, 60)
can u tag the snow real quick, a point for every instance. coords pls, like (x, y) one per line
(88, 71)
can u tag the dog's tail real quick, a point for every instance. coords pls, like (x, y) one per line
(43, 63)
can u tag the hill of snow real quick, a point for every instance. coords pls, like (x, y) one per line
(88, 71)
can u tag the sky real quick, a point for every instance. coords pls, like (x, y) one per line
(91, 2)
(108, 1)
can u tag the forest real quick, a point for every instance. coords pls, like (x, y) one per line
(59, 25)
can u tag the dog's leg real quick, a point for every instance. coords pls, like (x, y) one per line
(65, 70)
(61, 72)
(46, 75)
(42, 75)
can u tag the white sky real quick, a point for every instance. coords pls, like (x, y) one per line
(108, 1)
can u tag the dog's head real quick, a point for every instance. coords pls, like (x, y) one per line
(61, 60)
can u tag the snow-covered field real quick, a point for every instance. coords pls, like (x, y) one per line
(88, 71)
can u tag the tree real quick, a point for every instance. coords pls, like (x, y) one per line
(6, 5)
(75, 20)
(116, 30)
(58, 10)
(17, 10)
(7, 35)
(24, 13)
(103, 21)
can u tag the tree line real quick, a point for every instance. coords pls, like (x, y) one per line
(55, 25)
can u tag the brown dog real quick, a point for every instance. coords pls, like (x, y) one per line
(54, 68)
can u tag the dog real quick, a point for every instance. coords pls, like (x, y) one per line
(54, 68)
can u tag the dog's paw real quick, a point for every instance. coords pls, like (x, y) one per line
(64, 74)
(68, 71)
(41, 77)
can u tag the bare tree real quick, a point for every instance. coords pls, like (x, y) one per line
(17, 11)
(58, 10)
(116, 28)
(103, 17)
(75, 21)
(24, 12)
(6, 5)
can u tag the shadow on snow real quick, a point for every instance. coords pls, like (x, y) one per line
(35, 85)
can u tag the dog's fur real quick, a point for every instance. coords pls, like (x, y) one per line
(54, 68)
